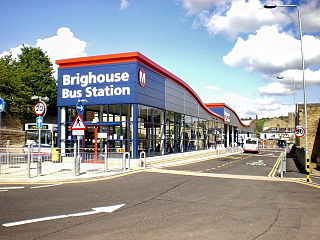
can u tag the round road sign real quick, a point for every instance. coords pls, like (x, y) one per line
(299, 131)
(2, 105)
(40, 108)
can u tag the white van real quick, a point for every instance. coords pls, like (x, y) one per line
(251, 145)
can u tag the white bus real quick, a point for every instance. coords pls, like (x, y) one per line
(48, 140)
(251, 145)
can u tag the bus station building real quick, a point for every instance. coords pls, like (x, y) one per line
(133, 104)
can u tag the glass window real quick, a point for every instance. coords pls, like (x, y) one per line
(126, 112)
(157, 115)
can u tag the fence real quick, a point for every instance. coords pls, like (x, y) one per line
(30, 162)
(282, 164)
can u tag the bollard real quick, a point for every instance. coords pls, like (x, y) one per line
(308, 168)
(143, 154)
(29, 161)
(76, 157)
(125, 156)
(106, 158)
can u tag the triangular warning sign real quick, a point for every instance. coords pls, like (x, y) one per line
(78, 123)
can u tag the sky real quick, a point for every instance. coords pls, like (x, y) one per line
(231, 51)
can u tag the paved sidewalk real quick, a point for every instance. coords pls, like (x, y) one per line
(292, 170)
(153, 162)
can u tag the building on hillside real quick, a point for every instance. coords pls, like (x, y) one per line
(313, 117)
(275, 134)
(134, 104)
(278, 129)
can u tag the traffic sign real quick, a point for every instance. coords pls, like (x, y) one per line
(78, 132)
(40, 108)
(78, 123)
(80, 108)
(39, 122)
(299, 131)
(2, 104)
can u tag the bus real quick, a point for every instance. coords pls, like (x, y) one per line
(49, 134)
(251, 145)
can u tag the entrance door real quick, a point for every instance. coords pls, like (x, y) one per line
(97, 137)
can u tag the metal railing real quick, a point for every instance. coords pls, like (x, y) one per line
(283, 164)
(29, 162)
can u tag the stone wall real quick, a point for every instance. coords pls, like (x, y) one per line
(278, 123)
(313, 116)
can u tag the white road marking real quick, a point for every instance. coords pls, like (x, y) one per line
(4, 190)
(108, 209)
(258, 163)
(45, 186)
(9, 188)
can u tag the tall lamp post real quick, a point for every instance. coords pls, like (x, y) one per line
(270, 6)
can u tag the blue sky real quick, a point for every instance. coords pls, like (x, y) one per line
(227, 50)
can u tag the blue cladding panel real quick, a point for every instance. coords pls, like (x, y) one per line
(218, 110)
(123, 91)
(153, 94)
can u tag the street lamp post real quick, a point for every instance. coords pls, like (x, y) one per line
(269, 6)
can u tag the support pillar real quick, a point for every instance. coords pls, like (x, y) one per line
(135, 154)
(228, 135)
(62, 128)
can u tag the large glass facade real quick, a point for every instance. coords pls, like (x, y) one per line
(165, 132)
(157, 131)
(107, 125)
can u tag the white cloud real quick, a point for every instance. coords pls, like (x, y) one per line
(310, 16)
(124, 4)
(275, 88)
(63, 45)
(211, 89)
(311, 77)
(243, 17)
(13, 51)
(272, 51)
(196, 6)
(289, 80)
(262, 106)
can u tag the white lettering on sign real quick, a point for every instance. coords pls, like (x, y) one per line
(226, 116)
(85, 80)
(90, 91)
(107, 91)
(142, 77)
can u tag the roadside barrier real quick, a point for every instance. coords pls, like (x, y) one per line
(126, 160)
(143, 160)
(29, 162)
(280, 166)
(283, 164)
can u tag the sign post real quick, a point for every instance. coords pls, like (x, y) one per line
(78, 128)
(2, 106)
(39, 109)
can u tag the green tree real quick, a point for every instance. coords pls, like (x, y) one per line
(36, 72)
(30, 74)
(12, 89)
(259, 124)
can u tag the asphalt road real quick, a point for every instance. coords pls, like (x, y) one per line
(224, 198)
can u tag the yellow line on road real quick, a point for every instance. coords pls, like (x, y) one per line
(274, 168)
(96, 179)
(215, 175)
